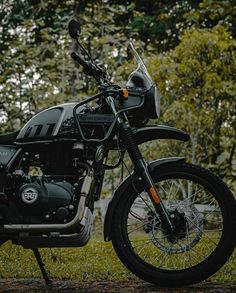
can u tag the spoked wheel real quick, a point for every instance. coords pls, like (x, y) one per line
(200, 207)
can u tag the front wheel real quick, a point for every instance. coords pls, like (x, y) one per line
(201, 208)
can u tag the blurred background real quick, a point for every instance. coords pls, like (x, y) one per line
(188, 46)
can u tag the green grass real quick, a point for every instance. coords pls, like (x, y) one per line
(96, 261)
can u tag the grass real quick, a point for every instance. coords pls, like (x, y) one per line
(96, 261)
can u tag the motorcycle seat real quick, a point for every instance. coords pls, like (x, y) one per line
(8, 138)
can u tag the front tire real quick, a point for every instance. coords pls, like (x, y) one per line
(202, 208)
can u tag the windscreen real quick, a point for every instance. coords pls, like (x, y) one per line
(141, 70)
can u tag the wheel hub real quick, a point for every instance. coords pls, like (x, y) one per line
(180, 225)
(188, 228)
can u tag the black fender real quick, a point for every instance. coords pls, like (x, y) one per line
(152, 132)
(126, 187)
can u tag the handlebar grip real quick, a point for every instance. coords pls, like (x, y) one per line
(78, 59)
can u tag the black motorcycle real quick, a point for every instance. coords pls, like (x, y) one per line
(171, 223)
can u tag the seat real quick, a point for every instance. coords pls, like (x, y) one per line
(8, 138)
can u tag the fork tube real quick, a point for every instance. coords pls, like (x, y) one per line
(141, 169)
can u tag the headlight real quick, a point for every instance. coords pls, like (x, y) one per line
(149, 109)
(152, 103)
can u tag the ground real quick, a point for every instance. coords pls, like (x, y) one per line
(65, 286)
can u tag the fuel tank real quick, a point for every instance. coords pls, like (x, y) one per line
(57, 121)
(6, 154)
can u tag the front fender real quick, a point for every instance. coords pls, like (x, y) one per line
(152, 132)
(126, 187)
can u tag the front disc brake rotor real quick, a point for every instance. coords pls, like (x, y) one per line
(186, 235)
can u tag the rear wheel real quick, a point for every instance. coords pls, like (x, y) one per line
(200, 206)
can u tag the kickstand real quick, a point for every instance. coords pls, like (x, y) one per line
(41, 266)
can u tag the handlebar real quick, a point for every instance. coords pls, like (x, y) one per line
(89, 68)
(78, 59)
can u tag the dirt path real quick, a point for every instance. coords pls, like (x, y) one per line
(59, 286)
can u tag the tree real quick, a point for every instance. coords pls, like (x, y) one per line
(35, 65)
(210, 13)
(198, 85)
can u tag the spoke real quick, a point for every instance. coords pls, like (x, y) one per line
(136, 216)
(215, 237)
(174, 263)
(184, 262)
(198, 253)
(163, 259)
(164, 191)
(190, 256)
(139, 240)
(211, 204)
(193, 258)
(160, 238)
(134, 224)
(147, 204)
(197, 200)
(170, 193)
(140, 202)
(168, 254)
(142, 246)
(203, 233)
(214, 230)
(181, 187)
(136, 229)
(208, 213)
(189, 253)
(133, 221)
(193, 195)
(190, 188)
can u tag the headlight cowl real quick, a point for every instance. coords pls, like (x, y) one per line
(152, 103)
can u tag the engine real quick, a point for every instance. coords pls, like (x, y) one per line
(49, 201)
(44, 184)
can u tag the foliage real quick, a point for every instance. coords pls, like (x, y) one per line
(197, 84)
(34, 59)
(211, 13)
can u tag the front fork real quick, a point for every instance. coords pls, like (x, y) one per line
(141, 168)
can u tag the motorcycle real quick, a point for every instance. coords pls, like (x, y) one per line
(171, 223)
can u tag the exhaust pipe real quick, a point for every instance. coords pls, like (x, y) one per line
(67, 227)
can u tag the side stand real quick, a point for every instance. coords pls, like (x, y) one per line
(41, 266)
